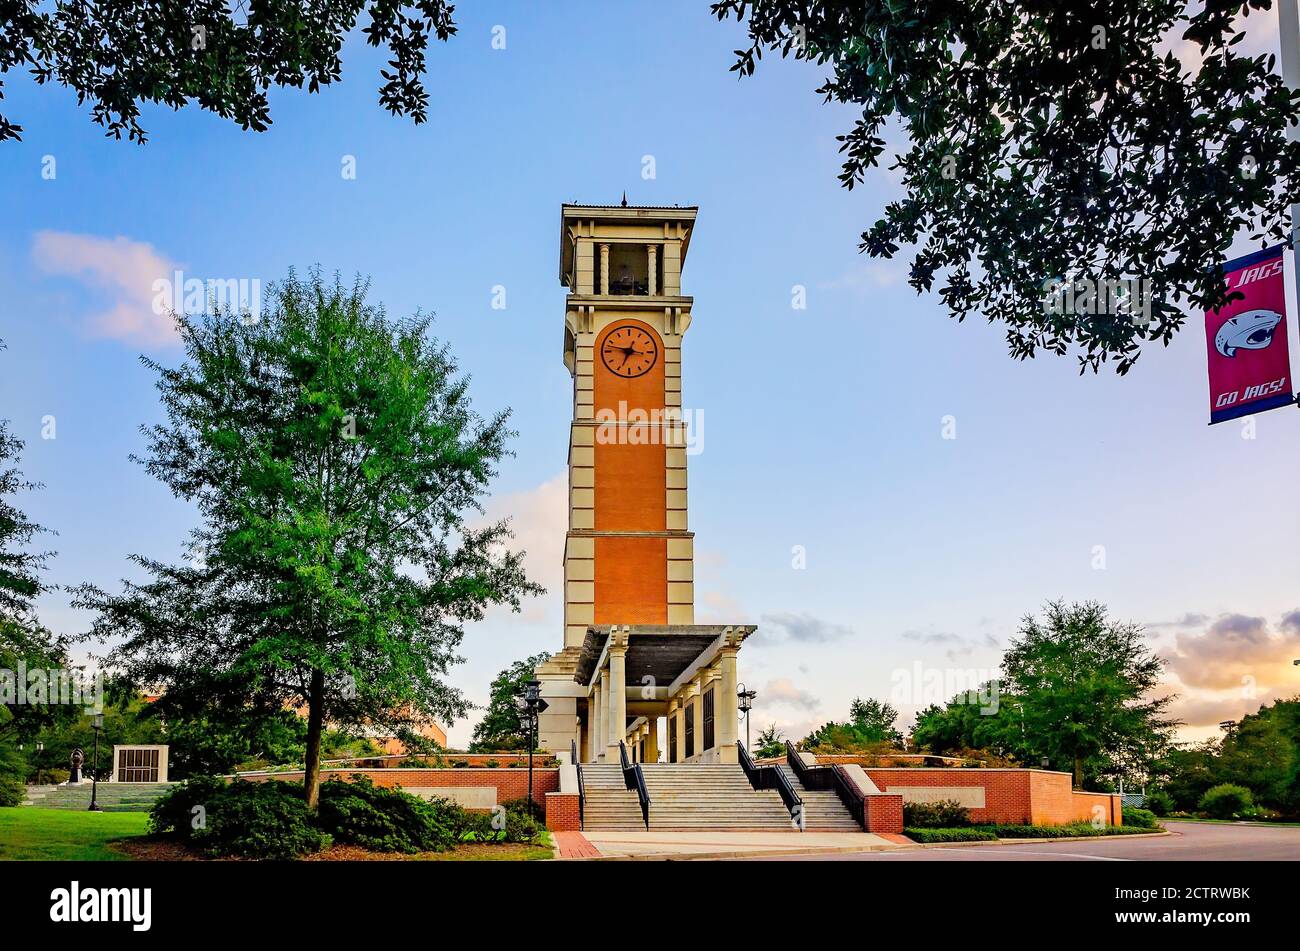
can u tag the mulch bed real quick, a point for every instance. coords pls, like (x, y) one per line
(155, 849)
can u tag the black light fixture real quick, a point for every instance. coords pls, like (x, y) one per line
(533, 705)
(98, 724)
(40, 748)
(1045, 762)
(745, 703)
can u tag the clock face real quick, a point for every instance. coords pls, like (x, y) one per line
(629, 351)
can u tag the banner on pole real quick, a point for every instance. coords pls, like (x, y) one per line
(1250, 368)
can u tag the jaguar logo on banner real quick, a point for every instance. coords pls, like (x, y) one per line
(1250, 368)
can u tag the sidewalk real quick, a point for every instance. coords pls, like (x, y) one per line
(700, 845)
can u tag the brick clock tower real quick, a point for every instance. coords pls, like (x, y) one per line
(628, 559)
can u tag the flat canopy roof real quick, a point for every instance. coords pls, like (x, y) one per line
(660, 651)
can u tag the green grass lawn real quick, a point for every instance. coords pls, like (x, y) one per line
(28, 834)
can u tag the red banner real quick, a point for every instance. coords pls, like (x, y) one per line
(1250, 368)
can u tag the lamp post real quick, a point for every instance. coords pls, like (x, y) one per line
(533, 705)
(98, 724)
(745, 703)
(40, 748)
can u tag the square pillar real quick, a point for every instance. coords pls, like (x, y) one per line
(602, 738)
(681, 728)
(652, 741)
(617, 678)
(725, 722)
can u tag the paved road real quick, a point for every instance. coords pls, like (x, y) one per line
(1192, 841)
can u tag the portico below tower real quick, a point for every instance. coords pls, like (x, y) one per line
(632, 677)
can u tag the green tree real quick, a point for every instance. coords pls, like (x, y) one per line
(770, 743)
(1053, 141)
(504, 726)
(222, 56)
(986, 719)
(1263, 752)
(24, 641)
(334, 459)
(870, 726)
(1084, 686)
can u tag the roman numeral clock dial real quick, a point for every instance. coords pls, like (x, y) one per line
(629, 351)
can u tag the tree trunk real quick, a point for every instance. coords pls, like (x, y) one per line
(1078, 771)
(315, 729)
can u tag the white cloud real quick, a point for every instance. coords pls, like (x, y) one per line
(124, 270)
(539, 517)
(783, 691)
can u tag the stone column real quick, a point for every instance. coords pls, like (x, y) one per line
(652, 740)
(604, 268)
(603, 740)
(595, 724)
(681, 728)
(651, 268)
(725, 722)
(617, 700)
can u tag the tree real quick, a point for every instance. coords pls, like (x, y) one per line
(770, 743)
(1083, 684)
(1053, 142)
(971, 723)
(222, 56)
(504, 726)
(870, 727)
(1263, 752)
(24, 641)
(334, 458)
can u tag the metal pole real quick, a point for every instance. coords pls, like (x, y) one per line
(94, 779)
(531, 811)
(1288, 29)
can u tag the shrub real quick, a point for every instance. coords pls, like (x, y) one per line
(492, 764)
(1139, 818)
(945, 814)
(1072, 831)
(183, 809)
(524, 822)
(12, 792)
(1225, 800)
(1160, 802)
(385, 820)
(1260, 814)
(266, 820)
(968, 834)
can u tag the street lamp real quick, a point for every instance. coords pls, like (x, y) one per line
(533, 705)
(745, 703)
(98, 724)
(40, 748)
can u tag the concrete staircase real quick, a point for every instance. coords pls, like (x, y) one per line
(822, 809)
(111, 797)
(682, 797)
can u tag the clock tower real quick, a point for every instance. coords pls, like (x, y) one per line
(629, 554)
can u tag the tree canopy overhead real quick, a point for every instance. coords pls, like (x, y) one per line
(1050, 141)
(335, 461)
(222, 55)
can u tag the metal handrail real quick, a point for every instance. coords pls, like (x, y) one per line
(634, 778)
(828, 777)
(582, 792)
(850, 795)
(770, 777)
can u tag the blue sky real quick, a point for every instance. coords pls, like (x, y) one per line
(823, 427)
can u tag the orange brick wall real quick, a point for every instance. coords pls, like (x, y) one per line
(510, 783)
(884, 814)
(1015, 796)
(562, 813)
(631, 580)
